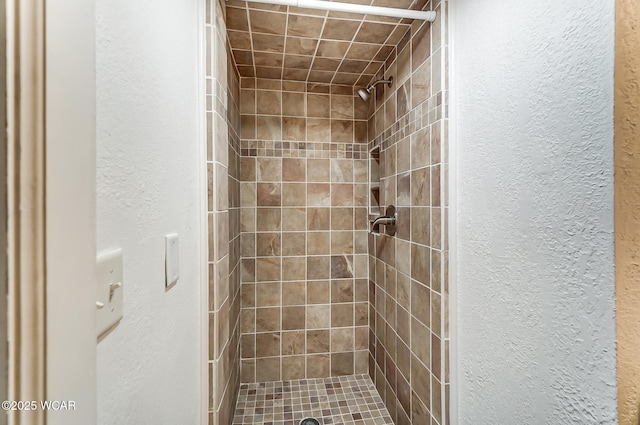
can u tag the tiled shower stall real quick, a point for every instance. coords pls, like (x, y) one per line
(300, 288)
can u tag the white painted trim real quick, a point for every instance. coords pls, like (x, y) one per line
(26, 205)
(70, 178)
(453, 222)
(202, 211)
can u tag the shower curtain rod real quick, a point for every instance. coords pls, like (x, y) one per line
(354, 8)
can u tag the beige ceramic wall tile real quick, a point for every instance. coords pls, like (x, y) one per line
(304, 196)
(409, 298)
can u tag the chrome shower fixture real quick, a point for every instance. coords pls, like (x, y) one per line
(365, 94)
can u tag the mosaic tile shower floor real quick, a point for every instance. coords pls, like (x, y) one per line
(344, 400)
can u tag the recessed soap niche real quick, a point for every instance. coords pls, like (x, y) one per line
(374, 181)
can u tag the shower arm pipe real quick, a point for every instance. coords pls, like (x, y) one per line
(354, 8)
(389, 82)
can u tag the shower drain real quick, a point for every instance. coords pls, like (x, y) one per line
(309, 421)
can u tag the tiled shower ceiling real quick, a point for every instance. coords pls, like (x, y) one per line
(291, 43)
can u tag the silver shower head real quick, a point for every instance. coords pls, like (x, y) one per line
(365, 94)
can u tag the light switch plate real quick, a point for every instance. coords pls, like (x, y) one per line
(172, 259)
(110, 290)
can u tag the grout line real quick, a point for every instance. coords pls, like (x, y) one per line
(347, 51)
(363, 20)
(315, 53)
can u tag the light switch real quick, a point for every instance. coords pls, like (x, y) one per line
(110, 290)
(171, 260)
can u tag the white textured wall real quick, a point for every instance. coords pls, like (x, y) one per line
(536, 301)
(147, 177)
